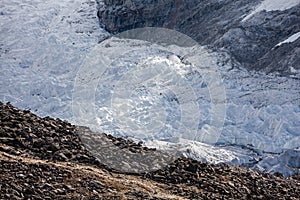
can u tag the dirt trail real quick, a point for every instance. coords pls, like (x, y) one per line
(121, 182)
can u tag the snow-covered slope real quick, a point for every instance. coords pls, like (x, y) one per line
(44, 44)
(270, 5)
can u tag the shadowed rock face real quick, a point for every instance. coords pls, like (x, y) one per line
(284, 57)
(217, 24)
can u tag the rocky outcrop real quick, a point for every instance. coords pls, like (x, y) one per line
(285, 57)
(218, 24)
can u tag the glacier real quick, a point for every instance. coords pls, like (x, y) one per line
(44, 45)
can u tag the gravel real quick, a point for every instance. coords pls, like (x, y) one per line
(44, 158)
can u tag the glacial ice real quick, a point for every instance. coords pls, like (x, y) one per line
(44, 44)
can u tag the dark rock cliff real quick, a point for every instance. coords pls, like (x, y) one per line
(218, 24)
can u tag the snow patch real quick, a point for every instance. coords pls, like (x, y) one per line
(291, 39)
(272, 5)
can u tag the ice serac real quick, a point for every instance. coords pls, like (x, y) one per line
(248, 34)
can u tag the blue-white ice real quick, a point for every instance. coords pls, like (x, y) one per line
(43, 44)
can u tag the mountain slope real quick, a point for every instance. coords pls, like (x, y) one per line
(44, 44)
(248, 30)
(68, 171)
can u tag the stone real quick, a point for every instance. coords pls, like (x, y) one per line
(35, 173)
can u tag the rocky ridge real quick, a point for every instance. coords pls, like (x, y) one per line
(44, 158)
(217, 24)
